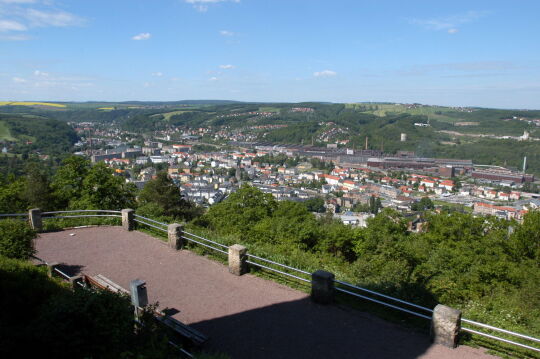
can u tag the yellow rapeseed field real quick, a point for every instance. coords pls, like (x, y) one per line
(25, 103)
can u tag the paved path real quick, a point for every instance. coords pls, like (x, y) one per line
(247, 317)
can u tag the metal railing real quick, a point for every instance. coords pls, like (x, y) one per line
(14, 215)
(80, 214)
(205, 244)
(277, 270)
(252, 260)
(154, 224)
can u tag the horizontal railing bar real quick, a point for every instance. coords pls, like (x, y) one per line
(150, 225)
(383, 303)
(62, 273)
(39, 259)
(500, 339)
(500, 330)
(84, 215)
(206, 239)
(384, 296)
(278, 271)
(151, 220)
(278, 264)
(82, 210)
(14, 215)
(206, 245)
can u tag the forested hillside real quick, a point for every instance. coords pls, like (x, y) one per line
(42, 135)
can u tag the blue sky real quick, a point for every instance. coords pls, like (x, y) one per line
(458, 53)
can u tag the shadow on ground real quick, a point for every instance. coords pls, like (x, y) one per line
(303, 329)
(70, 269)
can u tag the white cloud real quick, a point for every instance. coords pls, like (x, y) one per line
(449, 23)
(10, 25)
(18, 1)
(226, 67)
(202, 5)
(142, 36)
(226, 33)
(325, 73)
(14, 37)
(18, 80)
(213, 79)
(157, 74)
(24, 15)
(38, 18)
(41, 73)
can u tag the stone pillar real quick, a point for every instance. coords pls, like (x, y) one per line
(51, 267)
(237, 259)
(139, 296)
(75, 280)
(445, 325)
(128, 219)
(34, 217)
(175, 232)
(322, 287)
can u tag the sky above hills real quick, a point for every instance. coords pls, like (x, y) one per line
(458, 53)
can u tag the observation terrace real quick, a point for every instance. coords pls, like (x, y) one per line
(244, 316)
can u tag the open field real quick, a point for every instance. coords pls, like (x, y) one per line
(167, 115)
(28, 103)
(381, 110)
(268, 109)
(5, 135)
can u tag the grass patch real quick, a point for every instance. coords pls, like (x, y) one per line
(268, 109)
(167, 115)
(5, 134)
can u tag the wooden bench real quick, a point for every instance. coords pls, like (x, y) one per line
(103, 282)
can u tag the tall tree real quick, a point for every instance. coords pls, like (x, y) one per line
(68, 181)
(38, 192)
(102, 190)
(162, 197)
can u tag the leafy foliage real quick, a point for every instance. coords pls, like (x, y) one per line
(16, 239)
(161, 197)
(101, 190)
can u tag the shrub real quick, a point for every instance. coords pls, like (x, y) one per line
(16, 239)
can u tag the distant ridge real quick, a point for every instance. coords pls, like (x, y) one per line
(181, 102)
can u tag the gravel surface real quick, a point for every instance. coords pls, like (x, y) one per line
(246, 317)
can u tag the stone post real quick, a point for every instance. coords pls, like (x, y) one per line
(34, 217)
(175, 232)
(445, 325)
(128, 219)
(51, 267)
(237, 259)
(139, 296)
(75, 280)
(322, 287)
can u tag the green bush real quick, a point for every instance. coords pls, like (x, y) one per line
(16, 239)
